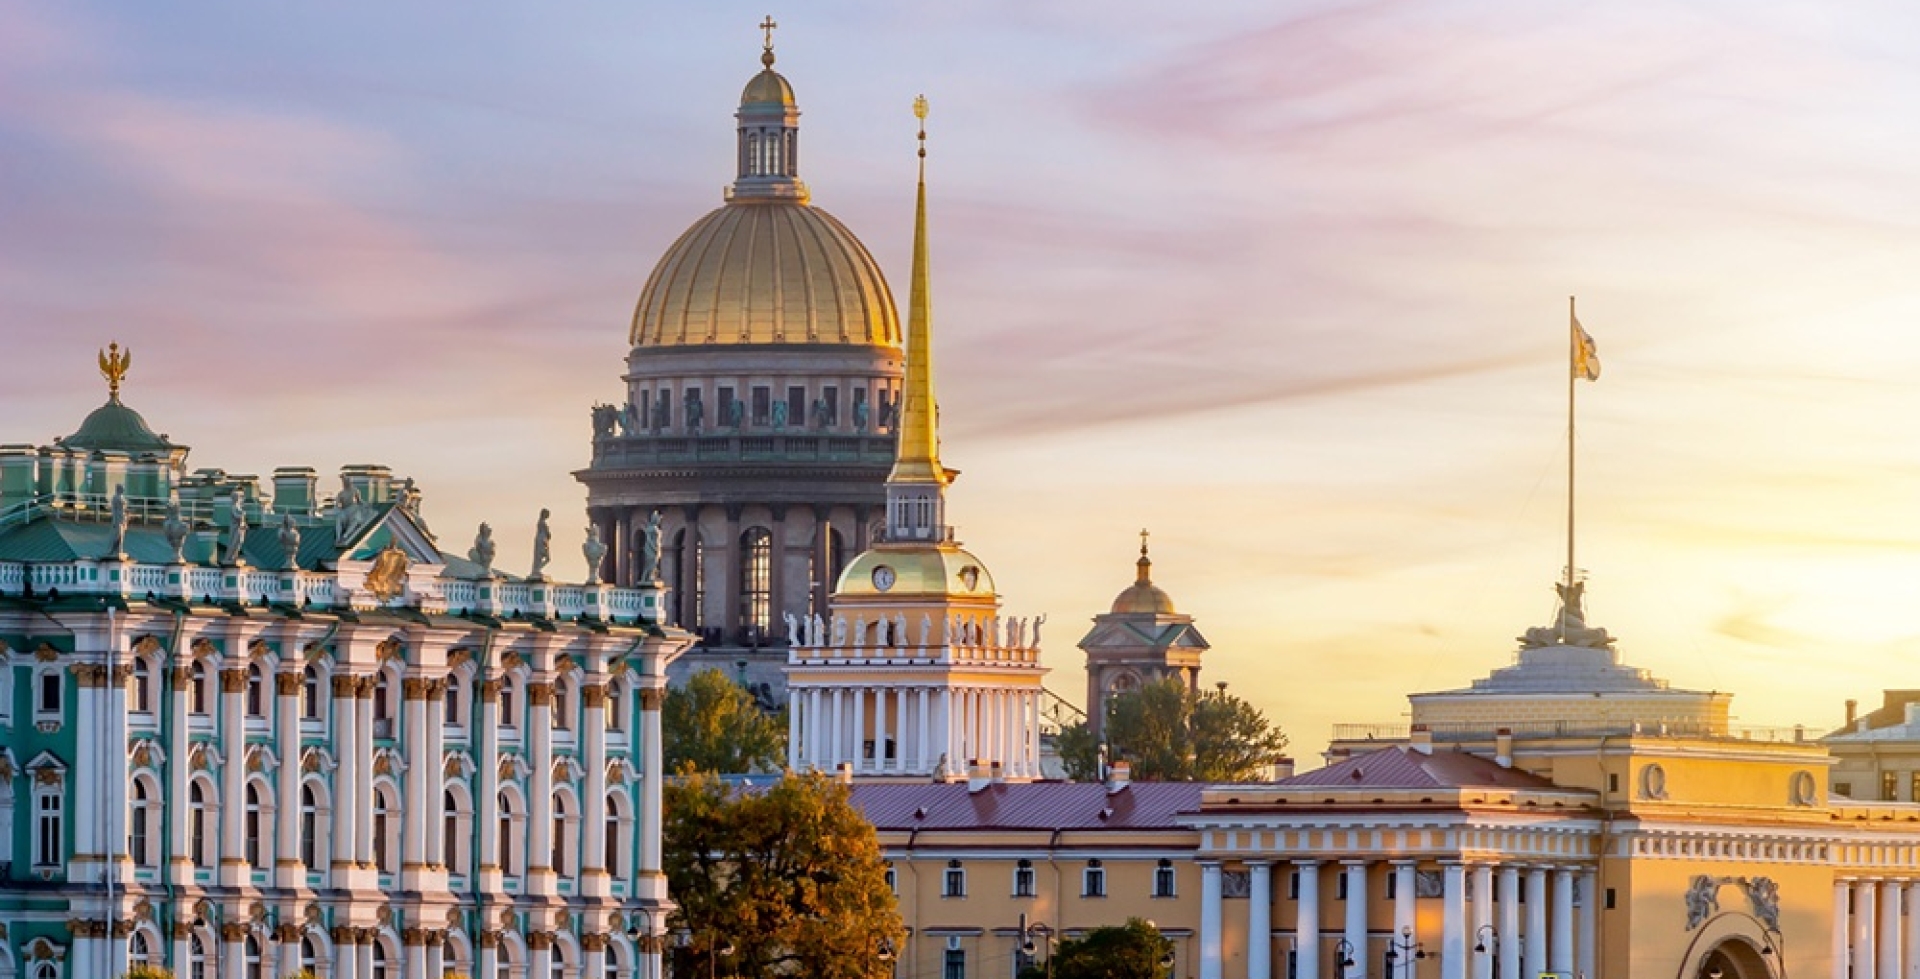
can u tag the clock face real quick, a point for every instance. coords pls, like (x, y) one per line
(883, 577)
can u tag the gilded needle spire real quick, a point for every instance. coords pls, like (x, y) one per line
(916, 501)
(113, 366)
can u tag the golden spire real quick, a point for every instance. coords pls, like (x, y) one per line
(113, 366)
(918, 457)
(1144, 566)
(766, 51)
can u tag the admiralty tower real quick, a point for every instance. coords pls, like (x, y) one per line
(763, 384)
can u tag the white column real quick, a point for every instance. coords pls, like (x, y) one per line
(923, 757)
(1560, 948)
(287, 869)
(595, 956)
(86, 775)
(838, 733)
(540, 877)
(1842, 928)
(1259, 919)
(1913, 930)
(796, 728)
(363, 788)
(233, 948)
(1484, 934)
(486, 804)
(944, 724)
(1890, 929)
(180, 870)
(539, 955)
(345, 965)
(346, 782)
(486, 956)
(413, 836)
(415, 955)
(1403, 894)
(1536, 952)
(901, 739)
(1306, 922)
(880, 697)
(1590, 924)
(1453, 921)
(1864, 923)
(594, 880)
(1210, 946)
(1509, 922)
(1356, 871)
(652, 788)
(436, 786)
(816, 726)
(233, 776)
(858, 752)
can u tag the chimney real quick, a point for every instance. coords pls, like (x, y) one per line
(1853, 710)
(1119, 776)
(1422, 739)
(844, 773)
(1503, 747)
(294, 489)
(1282, 768)
(979, 776)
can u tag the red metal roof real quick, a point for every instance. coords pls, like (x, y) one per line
(1402, 767)
(1028, 805)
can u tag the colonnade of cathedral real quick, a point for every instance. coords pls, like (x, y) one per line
(1499, 920)
(912, 728)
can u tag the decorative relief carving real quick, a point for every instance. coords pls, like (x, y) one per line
(233, 681)
(1428, 883)
(390, 649)
(511, 659)
(45, 653)
(540, 694)
(1703, 899)
(593, 695)
(1653, 782)
(287, 684)
(458, 657)
(565, 664)
(344, 685)
(652, 698)
(1235, 883)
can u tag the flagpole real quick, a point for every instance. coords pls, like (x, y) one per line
(1573, 355)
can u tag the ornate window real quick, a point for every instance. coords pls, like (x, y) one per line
(310, 693)
(198, 698)
(756, 579)
(139, 951)
(380, 961)
(142, 683)
(49, 822)
(616, 710)
(46, 694)
(452, 712)
(382, 705)
(256, 692)
(199, 967)
(199, 841)
(309, 827)
(507, 705)
(386, 830)
(252, 825)
(562, 706)
(563, 829)
(512, 857)
(256, 966)
(455, 847)
(141, 830)
(309, 955)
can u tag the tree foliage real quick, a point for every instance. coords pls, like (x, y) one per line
(790, 879)
(1171, 734)
(713, 725)
(1135, 950)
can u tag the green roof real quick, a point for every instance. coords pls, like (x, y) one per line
(114, 427)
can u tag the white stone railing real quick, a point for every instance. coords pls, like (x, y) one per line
(258, 586)
(986, 641)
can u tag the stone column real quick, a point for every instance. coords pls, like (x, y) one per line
(1536, 951)
(1889, 939)
(594, 879)
(346, 802)
(1842, 928)
(486, 801)
(233, 777)
(1404, 891)
(1453, 921)
(1210, 914)
(732, 563)
(1356, 937)
(436, 953)
(816, 728)
(943, 723)
(836, 733)
(594, 953)
(858, 754)
(540, 876)
(1306, 923)
(1560, 948)
(1509, 921)
(179, 767)
(1865, 952)
(233, 934)
(288, 870)
(777, 604)
(345, 964)
(117, 768)
(923, 757)
(85, 778)
(796, 728)
(414, 947)
(363, 791)
(879, 729)
(1485, 936)
(1590, 923)
(287, 939)
(486, 956)
(651, 783)
(1259, 920)
(540, 954)
(413, 841)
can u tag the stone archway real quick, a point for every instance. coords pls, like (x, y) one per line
(1734, 957)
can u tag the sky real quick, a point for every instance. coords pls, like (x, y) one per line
(1285, 284)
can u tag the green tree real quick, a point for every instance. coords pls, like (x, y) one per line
(1171, 734)
(1135, 950)
(783, 881)
(713, 725)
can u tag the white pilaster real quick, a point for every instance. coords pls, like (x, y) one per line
(363, 788)
(413, 843)
(816, 726)
(179, 766)
(796, 728)
(1865, 923)
(436, 785)
(288, 871)
(540, 876)
(1403, 895)
(923, 757)
(594, 879)
(486, 804)
(1842, 928)
(233, 775)
(1259, 920)
(346, 783)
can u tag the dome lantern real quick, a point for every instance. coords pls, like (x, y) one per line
(769, 135)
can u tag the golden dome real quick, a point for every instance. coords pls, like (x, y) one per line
(1143, 597)
(916, 569)
(780, 272)
(768, 86)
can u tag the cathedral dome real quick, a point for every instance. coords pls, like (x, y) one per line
(766, 272)
(114, 427)
(1143, 597)
(916, 569)
(768, 86)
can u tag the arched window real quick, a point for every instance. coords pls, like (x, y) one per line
(380, 961)
(753, 154)
(310, 693)
(562, 711)
(46, 970)
(309, 827)
(559, 961)
(251, 827)
(561, 824)
(256, 692)
(198, 966)
(454, 848)
(385, 830)
(309, 955)
(693, 579)
(198, 839)
(616, 706)
(452, 712)
(614, 837)
(256, 968)
(142, 683)
(140, 829)
(382, 700)
(507, 716)
(756, 579)
(139, 952)
(197, 696)
(510, 857)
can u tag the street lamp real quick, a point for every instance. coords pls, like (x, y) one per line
(1404, 950)
(1027, 946)
(1485, 938)
(1342, 958)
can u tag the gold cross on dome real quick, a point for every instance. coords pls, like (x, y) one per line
(768, 25)
(1143, 542)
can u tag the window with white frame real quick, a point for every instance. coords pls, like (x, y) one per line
(954, 882)
(452, 711)
(49, 825)
(616, 704)
(312, 693)
(562, 707)
(309, 827)
(507, 703)
(141, 686)
(143, 825)
(47, 690)
(1093, 880)
(1163, 879)
(256, 691)
(199, 823)
(251, 823)
(1023, 883)
(199, 697)
(954, 966)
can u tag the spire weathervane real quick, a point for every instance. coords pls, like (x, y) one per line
(113, 366)
(766, 51)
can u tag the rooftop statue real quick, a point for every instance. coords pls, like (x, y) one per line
(542, 546)
(176, 530)
(595, 552)
(117, 548)
(650, 548)
(1570, 628)
(289, 541)
(482, 551)
(237, 534)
